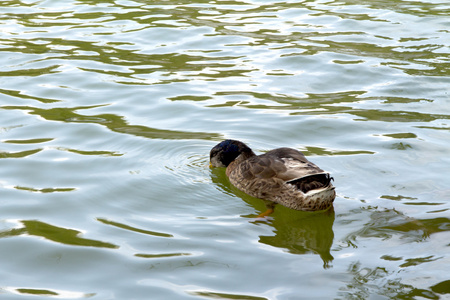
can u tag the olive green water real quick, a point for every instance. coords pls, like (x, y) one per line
(108, 110)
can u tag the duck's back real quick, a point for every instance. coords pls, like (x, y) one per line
(284, 163)
(266, 175)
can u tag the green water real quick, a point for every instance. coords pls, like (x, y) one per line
(108, 110)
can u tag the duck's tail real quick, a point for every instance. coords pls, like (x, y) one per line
(314, 182)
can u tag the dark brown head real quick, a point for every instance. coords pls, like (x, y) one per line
(227, 151)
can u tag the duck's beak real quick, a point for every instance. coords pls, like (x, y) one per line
(210, 165)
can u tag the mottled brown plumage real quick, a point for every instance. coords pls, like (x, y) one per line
(282, 175)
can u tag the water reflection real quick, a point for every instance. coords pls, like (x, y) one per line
(135, 229)
(216, 295)
(387, 223)
(20, 154)
(370, 281)
(304, 233)
(113, 122)
(304, 28)
(295, 231)
(25, 96)
(394, 228)
(196, 70)
(55, 234)
(44, 190)
(48, 293)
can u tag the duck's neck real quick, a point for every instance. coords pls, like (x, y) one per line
(242, 157)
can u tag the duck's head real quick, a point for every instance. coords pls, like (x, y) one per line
(225, 152)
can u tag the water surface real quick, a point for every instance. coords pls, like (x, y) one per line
(109, 109)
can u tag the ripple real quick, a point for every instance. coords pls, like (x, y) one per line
(113, 122)
(19, 154)
(162, 255)
(44, 190)
(47, 292)
(20, 94)
(128, 227)
(54, 234)
(29, 141)
(217, 295)
(110, 109)
(82, 152)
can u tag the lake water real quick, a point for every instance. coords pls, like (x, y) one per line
(108, 110)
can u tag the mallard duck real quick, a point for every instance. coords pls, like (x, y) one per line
(282, 175)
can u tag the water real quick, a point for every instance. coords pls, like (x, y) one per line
(109, 109)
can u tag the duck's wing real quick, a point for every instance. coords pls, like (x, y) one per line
(285, 165)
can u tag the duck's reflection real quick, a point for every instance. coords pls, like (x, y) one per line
(303, 233)
(295, 231)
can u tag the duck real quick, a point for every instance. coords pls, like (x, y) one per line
(280, 176)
